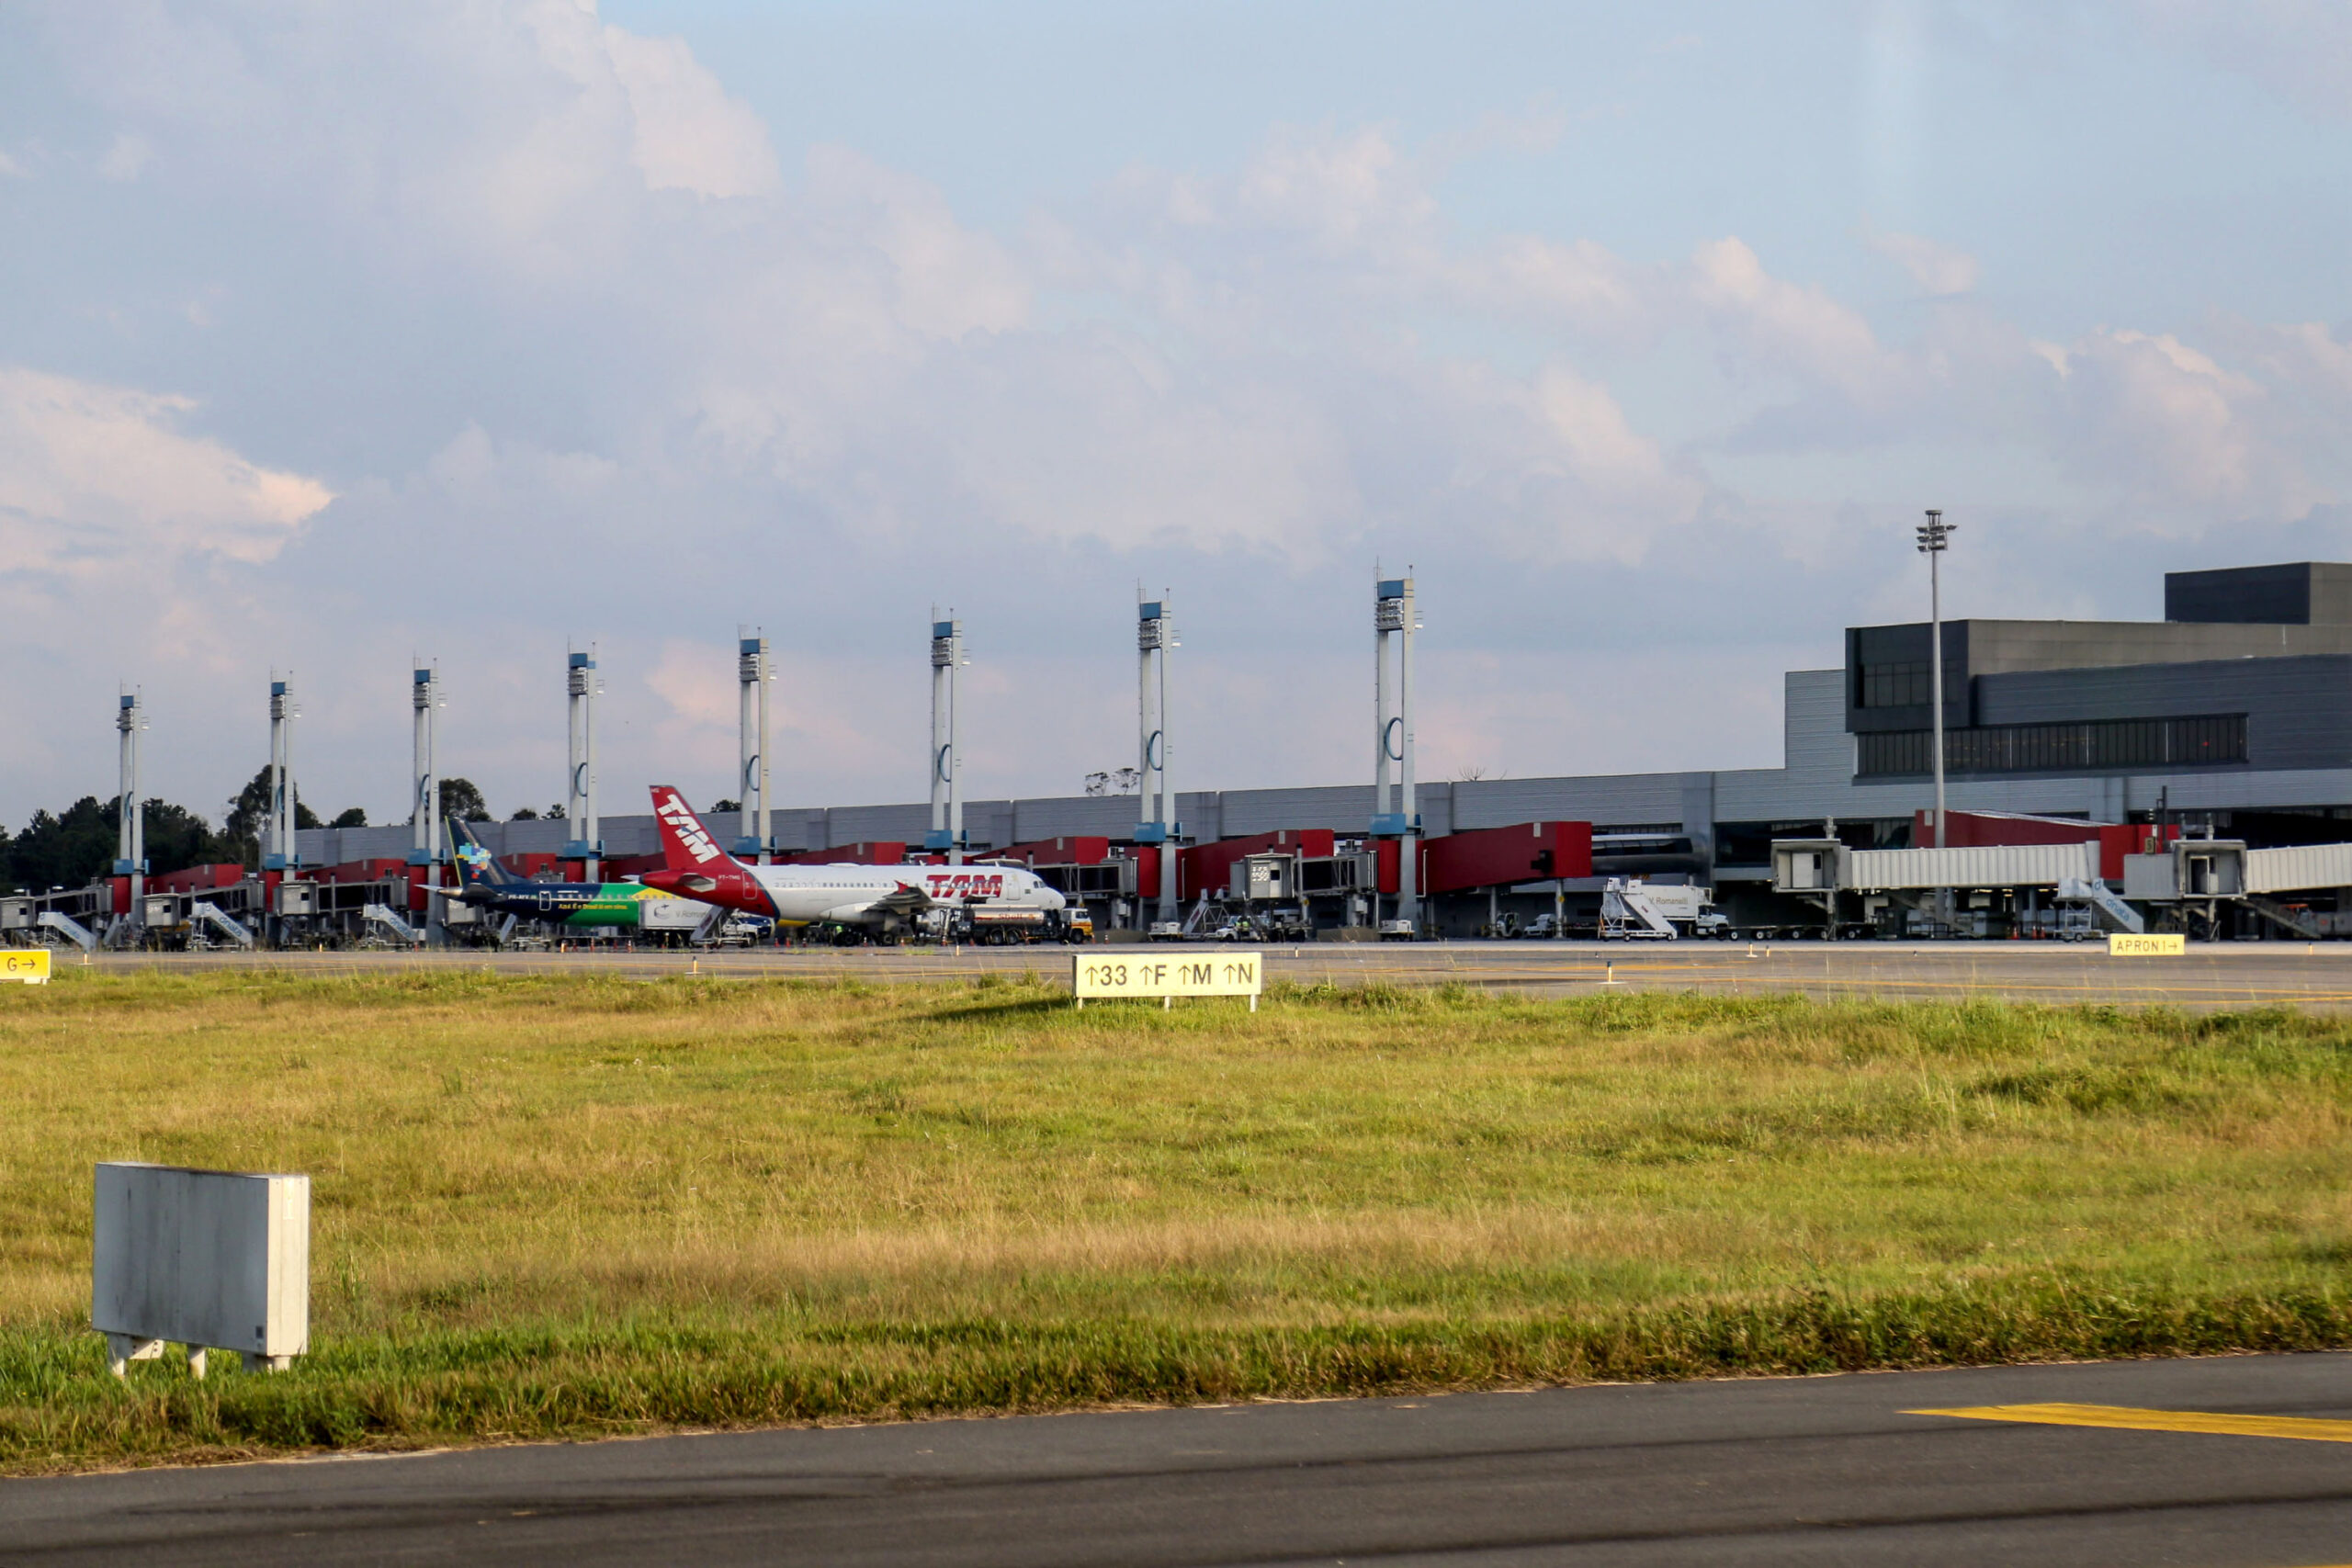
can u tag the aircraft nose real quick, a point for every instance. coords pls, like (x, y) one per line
(1053, 899)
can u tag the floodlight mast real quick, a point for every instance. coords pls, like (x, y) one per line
(584, 834)
(946, 765)
(1155, 811)
(1394, 814)
(278, 845)
(424, 816)
(131, 828)
(1935, 536)
(754, 836)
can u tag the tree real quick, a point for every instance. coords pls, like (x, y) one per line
(249, 813)
(68, 850)
(524, 814)
(349, 816)
(718, 806)
(65, 850)
(459, 797)
(178, 837)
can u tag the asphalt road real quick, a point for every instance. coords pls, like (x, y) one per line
(1813, 1471)
(2229, 975)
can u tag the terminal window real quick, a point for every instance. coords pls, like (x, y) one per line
(1903, 683)
(2059, 747)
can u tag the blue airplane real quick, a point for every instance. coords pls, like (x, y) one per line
(582, 906)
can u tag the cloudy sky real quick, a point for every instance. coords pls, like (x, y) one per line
(336, 333)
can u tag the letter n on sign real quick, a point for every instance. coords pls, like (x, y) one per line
(1228, 975)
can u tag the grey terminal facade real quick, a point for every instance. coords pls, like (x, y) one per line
(2235, 709)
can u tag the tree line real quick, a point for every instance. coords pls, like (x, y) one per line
(67, 849)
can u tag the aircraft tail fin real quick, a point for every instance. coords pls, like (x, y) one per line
(687, 844)
(477, 867)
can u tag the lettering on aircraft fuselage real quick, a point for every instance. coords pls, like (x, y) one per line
(952, 885)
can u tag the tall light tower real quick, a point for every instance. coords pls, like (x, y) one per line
(425, 817)
(1935, 535)
(1157, 823)
(751, 678)
(584, 834)
(1394, 816)
(130, 830)
(947, 763)
(279, 852)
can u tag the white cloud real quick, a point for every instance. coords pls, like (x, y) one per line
(126, 158)
(530, 291)
(2305, 356)
(1938, 269)
(96, 476)
(947, 279)
(1784, 326)
(1338, 187)
(2179, 431)
(1581, 285)
(689, 135)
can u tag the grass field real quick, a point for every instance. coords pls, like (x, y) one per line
(567, 1206)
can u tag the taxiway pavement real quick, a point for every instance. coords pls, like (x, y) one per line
(2190, 1467)
(2207, 978)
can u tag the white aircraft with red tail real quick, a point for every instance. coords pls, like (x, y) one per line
(887, 900)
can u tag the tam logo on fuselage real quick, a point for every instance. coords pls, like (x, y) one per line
(965, 884)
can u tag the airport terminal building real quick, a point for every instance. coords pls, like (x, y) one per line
(2235, 713)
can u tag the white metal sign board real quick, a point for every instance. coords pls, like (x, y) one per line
(1099, 977)
(203, 1259)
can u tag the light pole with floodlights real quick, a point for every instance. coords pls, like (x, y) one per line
(1935, 534)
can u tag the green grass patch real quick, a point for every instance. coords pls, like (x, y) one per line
(567, 1206)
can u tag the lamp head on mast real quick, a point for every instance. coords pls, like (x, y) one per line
(1935, 533)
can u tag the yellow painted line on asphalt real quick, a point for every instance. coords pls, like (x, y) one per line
(2124, 1416)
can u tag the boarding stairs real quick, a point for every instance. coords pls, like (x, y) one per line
(714, 921)
(2299, 921)
(2102, 899)
(72, 928)
(204, 912)
(384, 914)
(1625, 913)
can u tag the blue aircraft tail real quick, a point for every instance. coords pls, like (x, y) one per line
(477, 867)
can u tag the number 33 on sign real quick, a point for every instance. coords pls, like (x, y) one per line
(1101, 978)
